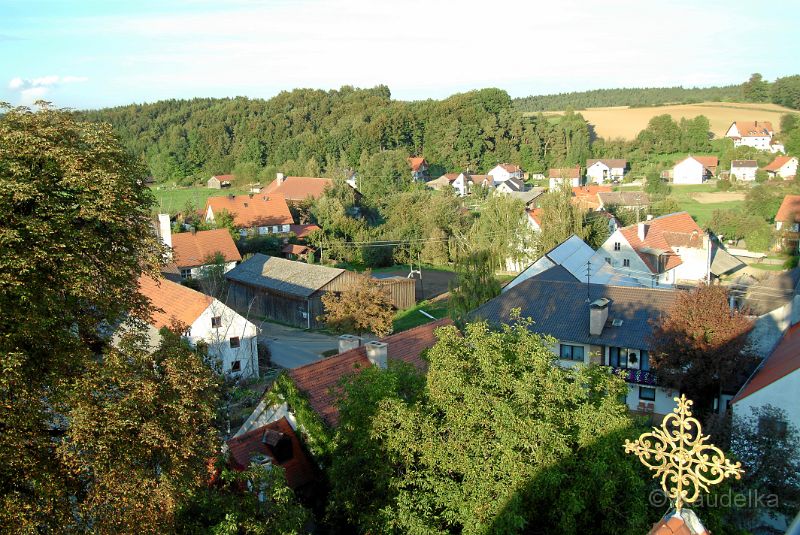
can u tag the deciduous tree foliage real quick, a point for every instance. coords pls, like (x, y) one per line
(474, 285)
(701, 347)
(365, 306)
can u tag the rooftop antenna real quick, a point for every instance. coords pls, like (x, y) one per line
(588, 279)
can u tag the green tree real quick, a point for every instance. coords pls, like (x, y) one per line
(655, 185)
(695, 134)
(502, 230)
(384, 174)
(560, 219)
(756, 89)
(474, 284)
(763, 201)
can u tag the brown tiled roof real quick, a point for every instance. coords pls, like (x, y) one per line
(190, 249)
(565, 172)
(674, 525)
(744, 163)
(511, 168)
(299, 470)
(478, 179)
(778, 162)
(783, 360)
(754, 128)
(299, 188)
(253, 210)
(624, 198)
(319, 380)
(296, 249)
(611, 163)
(172, 301)
(709, 162)
(303, 231)
(416, 162)
(659, 232)
(586, 196)
(789, 210)
(223, 178)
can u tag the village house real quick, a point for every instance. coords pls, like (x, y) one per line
(465, 183)
(231, 339)
(756, 134)
(562, 175)
(593, 324)
(444, 181)
(744, 170)
(298, 252)
(258, 213)
(666, 250)
(535, 219)
(419, 169)
(511, 185)
(192, 253)
(694, 169)
(787, 220)
(219, 181)
(297, 188)
(784, 167)
(607, 170)
(627, 200)
(505, 171)
(320, 382)
(586, 198)
(528, 196)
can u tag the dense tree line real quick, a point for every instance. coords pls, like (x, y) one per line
(328, 133)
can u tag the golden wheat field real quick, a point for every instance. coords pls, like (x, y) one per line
(627, 122)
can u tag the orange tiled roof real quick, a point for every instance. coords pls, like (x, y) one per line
(565, 172)
(416, 162)
(223, 178)
(789, 210)
(586, 196)
(662, 233)
(783, 360)
(707, 161)
(303, 231)
(778, 162)
(190, 249)
(511, 168)
(299, 188)
(172, 301)
(754, 128)
(253, 210)
(299, 470)
(536, 215)
(295, 249)
(674, 525)
(319, 380)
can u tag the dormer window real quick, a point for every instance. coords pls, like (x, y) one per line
(617, 246)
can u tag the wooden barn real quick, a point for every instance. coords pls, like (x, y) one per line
(291, 292)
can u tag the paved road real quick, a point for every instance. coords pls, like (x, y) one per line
(291, 348)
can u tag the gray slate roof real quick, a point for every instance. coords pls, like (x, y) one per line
(624, 198)
(285, 276)
(559, 308)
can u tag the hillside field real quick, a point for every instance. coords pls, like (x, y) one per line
(702, 200)
(171, 200)
(626, 122)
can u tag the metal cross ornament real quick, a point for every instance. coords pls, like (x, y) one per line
(680, 455)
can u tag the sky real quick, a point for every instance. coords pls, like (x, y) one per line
(90, 54)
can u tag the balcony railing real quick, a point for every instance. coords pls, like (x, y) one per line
(640, 377)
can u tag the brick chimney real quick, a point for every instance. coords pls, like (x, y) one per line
(279, 178)
(377, 354)
(641, 231)
(598, 315)
(165, 229)
(348, 342)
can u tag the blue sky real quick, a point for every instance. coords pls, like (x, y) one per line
(88, 54)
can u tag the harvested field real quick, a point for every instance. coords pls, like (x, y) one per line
(722, 196)
(627, 122)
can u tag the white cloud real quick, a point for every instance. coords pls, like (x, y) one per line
(32, 89)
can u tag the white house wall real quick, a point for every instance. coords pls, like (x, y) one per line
(744, 173)
(689, 171)
(218, 339)
(781, 394)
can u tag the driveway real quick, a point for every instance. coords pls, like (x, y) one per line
(291, 348)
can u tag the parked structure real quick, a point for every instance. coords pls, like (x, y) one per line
(694, 169)
(231, 338)
(253, 213)
(562, 175)
(608, 170)
(419, 168)
(744, 170)
(784, 167)
(756, 134)
(219, 181)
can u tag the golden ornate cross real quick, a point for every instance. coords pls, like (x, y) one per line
(679, 454)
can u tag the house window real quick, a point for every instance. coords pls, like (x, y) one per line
(617, 246)
(216, 322)
(234, 341)
(275, 229)
(621, 357)
(186, 273)
(626, 262)
(569, 352)
(285, 228)
(263, 230)
(236, 366)
(647, 394)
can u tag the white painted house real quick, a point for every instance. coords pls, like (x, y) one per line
(232, 340)
(465, 183)
(784, 167)
(192, 253)
(504, 171)
(744, 170)
(694, 169)
(756, 134)
(608, 170)
(559, 176)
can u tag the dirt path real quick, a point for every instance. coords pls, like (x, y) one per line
(716, 197)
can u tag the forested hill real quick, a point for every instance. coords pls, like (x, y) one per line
(323, 133)
(628, 96)
(784, 91)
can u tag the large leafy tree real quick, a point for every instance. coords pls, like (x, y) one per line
(500, 434)
(560, 218)
(701, 346)
(365, 306)
(474, 284)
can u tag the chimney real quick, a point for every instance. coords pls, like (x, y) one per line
(598, 315)
(348, 342)
(280, 178)
(165, 229)
(250, 194)
(377, 354)
(641, 231)
(649, 217)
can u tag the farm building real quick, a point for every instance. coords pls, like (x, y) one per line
(694, 169)
(744, 169)
(219, 181)
(291, 292)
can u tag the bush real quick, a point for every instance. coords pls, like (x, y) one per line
(791, 262)
(723, 184)
(759, 237)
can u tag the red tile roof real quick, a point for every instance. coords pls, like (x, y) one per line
(253, 210)
(296, 249)
(783, 360)
(173, 301)
(778, 162)
(536, 215)
(191, 249)
(303, 231)
(299, 470)
(754, 128)
(416, 163)
(565, 172)
(586, 196)
(674, 525)
(511, 168)
(662, 233)
(610, 163)
(789, 210)
(298, 188)
(319, 380)
(223, 178)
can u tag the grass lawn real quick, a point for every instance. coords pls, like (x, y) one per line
(172, 200)
(701, 212)
(412, 317)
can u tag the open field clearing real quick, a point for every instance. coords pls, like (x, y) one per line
(701, 200)
(718, 197)
(627, 122)
(172, 200)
